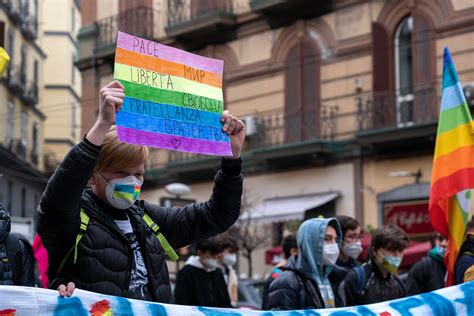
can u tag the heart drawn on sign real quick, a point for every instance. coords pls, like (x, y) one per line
(176, 143)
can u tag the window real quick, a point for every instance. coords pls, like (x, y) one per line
(404, 72)
(10, 122)
(35, 137)
(73, 21)
(24, 128)
(23, 64)
(302, 93)
(10, 44)
(73, 70)
(73, 120)
(23, 202)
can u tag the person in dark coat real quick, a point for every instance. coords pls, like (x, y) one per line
(304, 284)
(429, 273)
(350, 250)
(290, 248)
(200, 282)
(464, 267)
(16, 267)
(375, 281)
(103, 239)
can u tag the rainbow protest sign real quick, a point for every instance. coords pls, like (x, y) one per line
(173, 99)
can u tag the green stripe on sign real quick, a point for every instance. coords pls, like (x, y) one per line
(452, 118)
(187, 100)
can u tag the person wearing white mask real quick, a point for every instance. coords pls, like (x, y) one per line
(304, 284)
(200, 282)
(100, 237)
(350, 250)
(226, 262)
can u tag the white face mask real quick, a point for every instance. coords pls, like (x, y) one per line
(352, 250)
(210, 263)
(230, 259)
(330, 254)
(122, 192)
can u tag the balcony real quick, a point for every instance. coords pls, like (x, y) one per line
(30, 95)
(274, 140)
(196, 23)
(284, 12)
(29, 28)
(15, 80)
(139, 21)
(15, 10)
(394, 121)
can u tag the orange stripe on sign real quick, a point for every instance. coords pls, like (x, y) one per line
(123, 56)
(448, 164)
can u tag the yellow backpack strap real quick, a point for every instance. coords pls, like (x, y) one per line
(162, 240)
(80, 234)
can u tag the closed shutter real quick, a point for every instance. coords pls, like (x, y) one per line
(311, 124)
(423, 70)
(292, 96)
(383, 105)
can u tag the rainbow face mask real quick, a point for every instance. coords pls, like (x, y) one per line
(123, 192)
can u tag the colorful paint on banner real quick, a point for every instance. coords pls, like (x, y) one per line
(173, 99)
(18, 300)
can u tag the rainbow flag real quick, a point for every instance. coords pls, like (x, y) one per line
(453, 165)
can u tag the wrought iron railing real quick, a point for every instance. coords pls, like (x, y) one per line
(396, 110)
(14, 79)
(30, 95)
(139, 21)
(180, 11)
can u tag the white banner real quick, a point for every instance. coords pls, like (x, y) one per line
(17, 300)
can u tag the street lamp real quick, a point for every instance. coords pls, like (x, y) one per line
(400, 174)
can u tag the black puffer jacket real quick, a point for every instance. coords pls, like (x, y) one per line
(104, 257)
(293, 290)
(375, 287)
(426, 275)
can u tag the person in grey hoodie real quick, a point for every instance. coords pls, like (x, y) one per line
(305, 284)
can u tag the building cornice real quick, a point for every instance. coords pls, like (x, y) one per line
(63, 87)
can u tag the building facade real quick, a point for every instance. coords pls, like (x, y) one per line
(340, 99)
(21, 113)
(62, 81)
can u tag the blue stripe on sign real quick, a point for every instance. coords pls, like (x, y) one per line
(453, 96)
(170, 127)
(171, 112)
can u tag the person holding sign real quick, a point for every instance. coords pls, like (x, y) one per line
(102, 238)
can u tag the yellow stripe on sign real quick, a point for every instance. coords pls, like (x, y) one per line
(163, 81)
(451, 140)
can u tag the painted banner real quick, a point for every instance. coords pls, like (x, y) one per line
(173, 99)
(17, 300)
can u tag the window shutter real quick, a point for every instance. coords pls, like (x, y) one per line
(423, 70)
(292, 96)
(383, 107)
(310, 68)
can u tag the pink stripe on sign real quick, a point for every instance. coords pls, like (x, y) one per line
(150, 48)
(172, 142)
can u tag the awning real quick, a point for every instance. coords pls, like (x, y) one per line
(282, 209)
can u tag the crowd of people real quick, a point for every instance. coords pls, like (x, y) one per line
(99, 237)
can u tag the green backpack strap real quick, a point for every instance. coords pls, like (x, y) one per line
(162, 240)
(80, 234)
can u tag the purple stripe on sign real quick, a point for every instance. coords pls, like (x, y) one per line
(150, 48)
(172, 142)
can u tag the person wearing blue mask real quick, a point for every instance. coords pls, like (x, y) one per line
(304, 283)
(429, 273)
(375, 281)
(100, 237)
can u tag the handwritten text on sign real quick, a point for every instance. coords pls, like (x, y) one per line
(173, 99)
